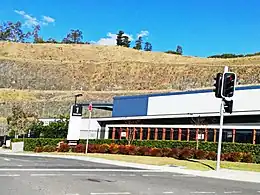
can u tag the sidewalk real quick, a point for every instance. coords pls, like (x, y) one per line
(227, 174)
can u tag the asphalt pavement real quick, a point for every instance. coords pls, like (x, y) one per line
(24, 175)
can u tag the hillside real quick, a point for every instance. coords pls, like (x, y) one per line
(47, 75)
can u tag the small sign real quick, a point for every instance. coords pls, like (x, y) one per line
(90, 108)
(123, 134)
(201, 136)
(77, 110)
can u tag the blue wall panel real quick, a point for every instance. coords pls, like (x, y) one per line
(130, 106)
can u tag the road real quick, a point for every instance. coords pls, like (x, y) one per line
(54, 176)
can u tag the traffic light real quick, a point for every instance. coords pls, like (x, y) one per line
(218, 85)
(228, 106)
(229, 79)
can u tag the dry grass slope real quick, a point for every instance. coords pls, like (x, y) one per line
(45, 76)
(110, 68)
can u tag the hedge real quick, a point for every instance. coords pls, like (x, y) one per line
(181, 154)
(227, 147)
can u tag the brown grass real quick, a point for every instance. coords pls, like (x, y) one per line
(46, 76)
(111, 68)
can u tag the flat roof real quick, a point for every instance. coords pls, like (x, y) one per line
(253, 112)
(241, 87)
(102, 106)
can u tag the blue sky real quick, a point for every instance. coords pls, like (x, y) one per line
(201, 27)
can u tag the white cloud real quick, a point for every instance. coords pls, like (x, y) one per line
(33, 21)
(143, 33)
(48, 19)
(110, 40)
(29, 20)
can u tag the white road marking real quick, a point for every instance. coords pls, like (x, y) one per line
(85, 170)
(108, 193)
(19, 165)
(6, 159)
(71, 194)
(14, 175)
(112, 175)
(233, 192)
(46, 175)
(128, 175)
(258, 191)
(83, 174)
(183, 175)
(168, 192)
(202, 192)
(146, 175)
(22, 160)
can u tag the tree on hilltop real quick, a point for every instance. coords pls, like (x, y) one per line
(148, 46)
(51, 40)
(138, 44)
(126, 42)
(35, 33)
(75, 36)
(179, 50)
(13, 32)
(122, 39)
(119, 38)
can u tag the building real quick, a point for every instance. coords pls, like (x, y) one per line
(185, 115)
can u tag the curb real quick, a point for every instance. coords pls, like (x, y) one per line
(224, 174)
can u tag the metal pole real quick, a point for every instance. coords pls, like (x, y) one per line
(221, 125)
(75, 100)
(88, 131)
(220, 134)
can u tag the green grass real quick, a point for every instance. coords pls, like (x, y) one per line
(235, 165)
(202, 165)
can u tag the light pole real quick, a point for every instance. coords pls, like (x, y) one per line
(76, 96)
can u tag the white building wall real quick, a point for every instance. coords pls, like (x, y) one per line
(244, 100)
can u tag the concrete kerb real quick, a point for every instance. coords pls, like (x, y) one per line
(226, 174)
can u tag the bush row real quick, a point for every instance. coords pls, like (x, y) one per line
(177, 153)
(31, 143)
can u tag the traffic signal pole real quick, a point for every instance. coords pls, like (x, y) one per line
(220, 127)
(220, 134)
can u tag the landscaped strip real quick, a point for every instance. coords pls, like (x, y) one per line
(208, 147)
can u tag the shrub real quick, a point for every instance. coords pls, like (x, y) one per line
(156, 152)
(38, 149)
(235, 156)
(104, 148)
(186, 153)
(175, 153)
(64, 147)
(49, 148)
(80, 148)
(122, 149)
(31, 143)
(166, 152)
(247, 158)
(212, 156)
(131, 150)
(144, 151)
(114, 149)
(93, 148)
(200, 154)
